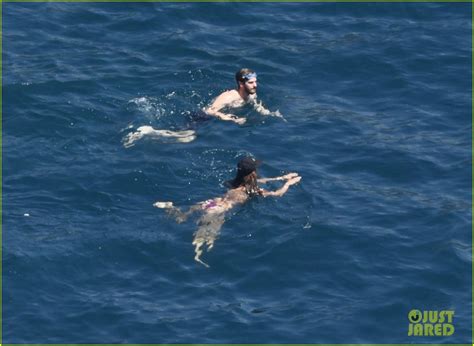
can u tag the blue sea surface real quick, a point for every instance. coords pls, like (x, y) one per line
(377, 98)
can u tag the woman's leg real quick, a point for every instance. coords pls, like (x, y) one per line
(176, 212)
(208, 231)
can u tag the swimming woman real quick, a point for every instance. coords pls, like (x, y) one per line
(242, 187)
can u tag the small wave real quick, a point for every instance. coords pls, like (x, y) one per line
(149, 106)
(462, 250)
(213, 163)
(171, 106)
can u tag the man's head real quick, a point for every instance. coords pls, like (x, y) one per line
(247, 80)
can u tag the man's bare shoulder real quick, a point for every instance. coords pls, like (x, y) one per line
(229, 98)
(230, 95)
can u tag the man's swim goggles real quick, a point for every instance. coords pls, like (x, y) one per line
(249, 76)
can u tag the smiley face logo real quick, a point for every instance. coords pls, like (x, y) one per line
(414, 316)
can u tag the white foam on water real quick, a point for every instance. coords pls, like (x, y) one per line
(143, 103)
(149, 106)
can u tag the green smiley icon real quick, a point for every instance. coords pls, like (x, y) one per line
(414, 316)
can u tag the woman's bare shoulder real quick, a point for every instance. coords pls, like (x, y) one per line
(236, 194)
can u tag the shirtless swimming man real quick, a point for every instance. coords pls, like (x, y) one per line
(246, 93)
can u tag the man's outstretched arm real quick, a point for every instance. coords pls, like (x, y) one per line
(258, 106)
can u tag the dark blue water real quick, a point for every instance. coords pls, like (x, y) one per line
(378, 103)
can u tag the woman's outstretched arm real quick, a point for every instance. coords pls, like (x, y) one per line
(282, 190)
(283, 177)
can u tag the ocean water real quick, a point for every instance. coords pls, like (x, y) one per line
(377, 99)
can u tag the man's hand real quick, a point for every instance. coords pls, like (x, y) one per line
(278, 115)
(229, 117)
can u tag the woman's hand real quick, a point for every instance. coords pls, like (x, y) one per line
(290, 176)
(293, 181)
